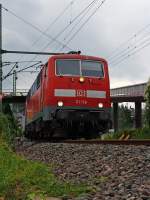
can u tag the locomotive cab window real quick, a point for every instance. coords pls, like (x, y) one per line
(38, 80)
(68, 67)
(92, 68)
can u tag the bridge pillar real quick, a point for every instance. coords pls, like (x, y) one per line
(115, 116)
(138, 114)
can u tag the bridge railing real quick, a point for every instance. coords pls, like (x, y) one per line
(19, 92)
(133, 90)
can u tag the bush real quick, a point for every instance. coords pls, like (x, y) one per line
(8, 128)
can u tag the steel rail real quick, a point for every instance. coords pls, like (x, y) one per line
(21, 147)
(113, 142)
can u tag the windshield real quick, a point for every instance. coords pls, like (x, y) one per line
(79, 68)
(68, 67)
(92, 68)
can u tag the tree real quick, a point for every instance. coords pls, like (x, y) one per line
(7, 110)
(147, 108)
(125, 117)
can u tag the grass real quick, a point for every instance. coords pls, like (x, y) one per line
(101, 179)
(23, 179)
(140, 134)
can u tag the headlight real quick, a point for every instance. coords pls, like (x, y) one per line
(81, 79)
(100, 105)
(60, 103)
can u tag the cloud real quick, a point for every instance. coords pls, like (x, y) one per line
(113, 24)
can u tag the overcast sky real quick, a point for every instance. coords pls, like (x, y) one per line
(114, 23)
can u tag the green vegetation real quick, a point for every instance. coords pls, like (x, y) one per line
(125, 117)
(143, 133)
(8, 125)
(8, 128)
(21, 179)
(101, 179)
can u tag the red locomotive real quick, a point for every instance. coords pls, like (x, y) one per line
(71, 92)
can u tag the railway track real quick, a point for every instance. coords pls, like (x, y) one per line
(113, 142)
(30, 143)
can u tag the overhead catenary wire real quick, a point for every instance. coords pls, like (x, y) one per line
(88, 17)
(31, 71)
(28, 61)
(85, 22)
(50, 26)
(68, 25)
(16, 66)
(28, 67)
(72, 21)
(26, 52)
(4, 64)
(11, 73)
(53, 22)
(132, 53)
(129, 51)
(26, 81)
(76, 24)
(37, 29)
(87, 7)
(139, 32)
(81, 13)
(127, 47)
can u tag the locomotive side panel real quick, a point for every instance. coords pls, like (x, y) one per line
(34, 100)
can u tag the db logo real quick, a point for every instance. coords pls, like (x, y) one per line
(81, 93)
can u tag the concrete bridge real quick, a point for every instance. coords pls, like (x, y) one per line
(129, 91)
(133, 93)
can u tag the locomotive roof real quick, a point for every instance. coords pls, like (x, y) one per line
(76, 56)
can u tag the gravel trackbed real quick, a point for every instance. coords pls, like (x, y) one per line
(113, 172)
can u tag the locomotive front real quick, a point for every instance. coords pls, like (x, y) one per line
(79, 93)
